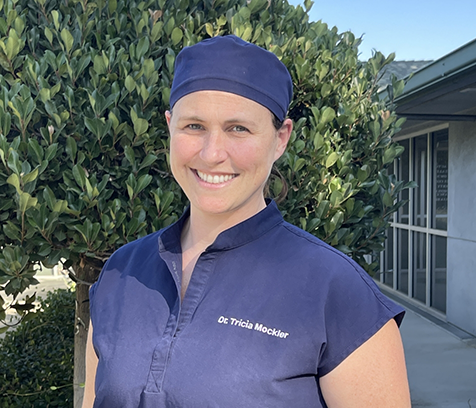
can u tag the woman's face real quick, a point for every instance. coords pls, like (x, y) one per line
(222, 148)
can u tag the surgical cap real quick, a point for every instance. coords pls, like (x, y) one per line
(232, 65)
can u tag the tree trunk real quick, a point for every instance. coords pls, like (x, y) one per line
(85, 274)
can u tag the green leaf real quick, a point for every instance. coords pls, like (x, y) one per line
(6, 126)
(142, 47)
(336, 198)
(148, 161)
(35, 150)
(245, 13)
(140, 126)
(112, 6)
(149, 68)
(308, 5)
(132, 226)
(68, 39)
(98, 127)
(26, 202)
(389, 155)
(387, 199)
(12, 231)
(14, 180)
(13, 45)
(129, 153)
(49, 35)
(169, 26)
(328, 115)
(19, 25)
(167, 200)
(299, 164)
(129, 83)
(28, 178)
(142, 183)
(362, 173)
(71, 148)
(44, 95)
(156, 31)
(331, 159)
(55, 15)
(79, 175)
(14, 162)
(49, 198)
(130, 191)
(375, 129)
(322, 209)
(209, 29)
(177, 35)
(247, 33)
(51, 151)
(99, 65)
(82, 64)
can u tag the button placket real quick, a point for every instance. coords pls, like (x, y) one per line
(186, 310)
(162, 349)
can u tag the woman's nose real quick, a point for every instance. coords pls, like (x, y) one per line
(214, 147)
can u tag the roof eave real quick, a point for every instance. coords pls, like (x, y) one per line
(442, 69)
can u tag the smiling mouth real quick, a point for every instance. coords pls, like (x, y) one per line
(215, 179)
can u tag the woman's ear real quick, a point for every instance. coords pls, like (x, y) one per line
(168, 117)
(283, 135)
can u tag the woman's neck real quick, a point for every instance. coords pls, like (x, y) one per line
(202, 229)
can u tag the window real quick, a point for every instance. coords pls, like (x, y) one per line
(403, 173)
(414, 259)
(420, 176)
(440, 180)
(402, 245)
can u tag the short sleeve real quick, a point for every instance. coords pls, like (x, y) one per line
(355, 310)
(93, 291)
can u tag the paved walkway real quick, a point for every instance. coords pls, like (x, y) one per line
(441, 365)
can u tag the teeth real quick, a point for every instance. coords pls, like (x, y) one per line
(214, 179)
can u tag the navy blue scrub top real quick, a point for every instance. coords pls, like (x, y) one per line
(269, 309)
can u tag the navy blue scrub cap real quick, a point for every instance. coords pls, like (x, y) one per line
(230, 64)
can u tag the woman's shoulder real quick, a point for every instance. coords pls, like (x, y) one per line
(311, 246)
(333, 270)
(131, 259)
(138, 246)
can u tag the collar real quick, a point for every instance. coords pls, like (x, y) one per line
(238, 235)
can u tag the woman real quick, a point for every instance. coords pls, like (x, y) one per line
(231, 306)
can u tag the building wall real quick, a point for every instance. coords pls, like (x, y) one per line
(461, 280)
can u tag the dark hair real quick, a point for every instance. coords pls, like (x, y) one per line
(277, 123)
(275, 173)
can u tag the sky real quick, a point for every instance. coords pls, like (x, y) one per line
(413, 29)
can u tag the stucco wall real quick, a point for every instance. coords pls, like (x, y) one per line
(461, 277)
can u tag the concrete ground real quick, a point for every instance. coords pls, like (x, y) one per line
(441, 366)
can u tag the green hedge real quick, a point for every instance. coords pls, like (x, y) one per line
(84, 85)
(36, 359)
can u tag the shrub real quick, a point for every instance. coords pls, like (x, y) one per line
(84, 85)
(36, 358)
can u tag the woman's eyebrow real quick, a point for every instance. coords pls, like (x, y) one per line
(191, 118)
(240, 121)
(234, 121)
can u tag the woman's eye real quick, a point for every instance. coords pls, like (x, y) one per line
(239, 129)
(194, 126)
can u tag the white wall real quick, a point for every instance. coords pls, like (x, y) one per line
(461, 276)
